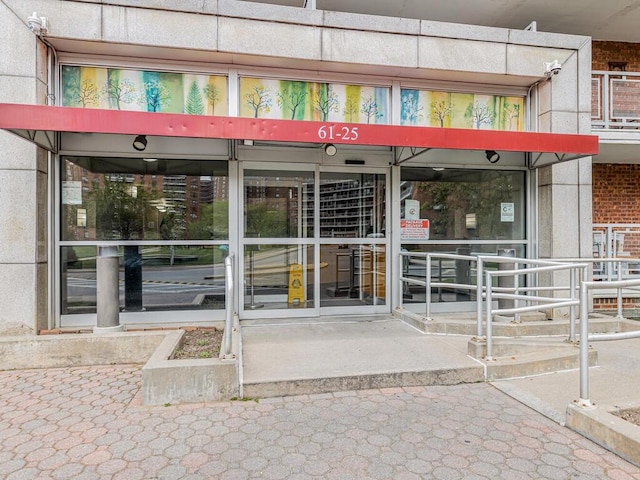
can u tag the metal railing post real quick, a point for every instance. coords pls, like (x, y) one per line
(479, 282)
(619, 291)
(488, 312)
(428, 285)
(584, 347)
(572, 309)
(401, 268)
(230, 306)
(516, 284)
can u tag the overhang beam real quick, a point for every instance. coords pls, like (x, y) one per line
(42, 124)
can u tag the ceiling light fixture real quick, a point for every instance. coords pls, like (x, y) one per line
(492, 156)
(140, 143)
(330, 149)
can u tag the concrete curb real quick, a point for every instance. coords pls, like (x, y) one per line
(310, 386)
(65, 350)
(607, 430)
(169, 381)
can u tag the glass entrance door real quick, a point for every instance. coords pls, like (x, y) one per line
(278, 247)
(313, 241)
(353, 244)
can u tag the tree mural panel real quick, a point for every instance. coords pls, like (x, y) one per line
(461, 110)
(144, 90)
(324, 102)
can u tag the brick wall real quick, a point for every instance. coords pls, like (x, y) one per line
(616, 187)
(616, 193)
(604, 52)
(616, 199)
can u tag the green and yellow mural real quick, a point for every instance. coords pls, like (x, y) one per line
(461, 110)
(323, 102)
(153, 91)
(141, 90)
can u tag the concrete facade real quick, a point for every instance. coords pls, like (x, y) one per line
(314, 44)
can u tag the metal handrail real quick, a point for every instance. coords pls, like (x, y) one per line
(578, 269)
(229, 306)
(619, 263)
(585, 338)
(549, 302)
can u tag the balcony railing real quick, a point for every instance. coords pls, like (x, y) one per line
(615, 100)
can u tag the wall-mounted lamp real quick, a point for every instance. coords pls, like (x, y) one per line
(330, 149)
(492, 156)
(38, 25)
(140, 143)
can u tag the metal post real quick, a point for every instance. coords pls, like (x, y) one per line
(427, 291)
(479, 277)
(619, 291)
(503, 281)
(402, 282)
(488, 310)
(516, 281)
(107, 291)
(584, 348)
(230, 304)
(572, 309)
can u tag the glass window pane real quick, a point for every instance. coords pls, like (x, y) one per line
(278, 204)
(278, 276)
(155, 277)
(352, 205)
(352, 275)
(446, 270)
(467, 204)
(144, 199)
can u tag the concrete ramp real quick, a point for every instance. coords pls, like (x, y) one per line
(285, 357)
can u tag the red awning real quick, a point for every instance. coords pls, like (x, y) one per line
(41, 124)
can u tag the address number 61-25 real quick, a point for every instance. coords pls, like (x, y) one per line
(334, 132)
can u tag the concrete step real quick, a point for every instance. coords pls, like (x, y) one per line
(310, 386)
(465, 324)
(508, 347)
(536, 363)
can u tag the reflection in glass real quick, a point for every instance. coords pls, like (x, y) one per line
(352, 205)
(445, 270)
(278, 276)
(352, 275)
(278, 204)
(467, 204)
(152, 277)
(144, 199)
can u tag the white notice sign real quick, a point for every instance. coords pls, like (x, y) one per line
(412, 209)
(71, 193)
(507, 212)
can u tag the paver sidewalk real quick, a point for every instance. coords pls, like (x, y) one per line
(87, 423)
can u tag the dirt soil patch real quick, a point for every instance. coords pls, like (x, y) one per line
(630, 415)
(200, 343)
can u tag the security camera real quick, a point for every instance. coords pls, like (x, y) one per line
(552, 68)
(38, 25)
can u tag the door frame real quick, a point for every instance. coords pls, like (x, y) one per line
(315, 242)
